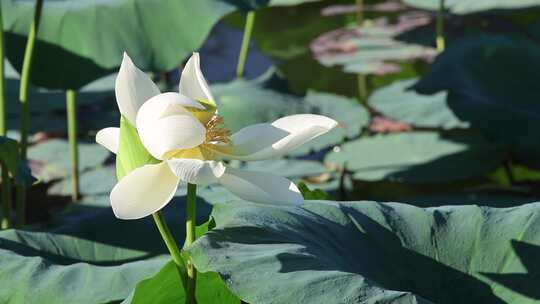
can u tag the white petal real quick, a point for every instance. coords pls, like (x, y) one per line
(259, 187)
(143, 191)
(164, 124)
(109, 138)
(163, 105)
(133, 87)
(193, 83)
(172, 133)
(196, 171)
(263, 141)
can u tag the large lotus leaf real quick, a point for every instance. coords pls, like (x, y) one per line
(371, 47)
(467, 6)
(243, 103)
(398, 101)
(27, 278)
(53, 159)
(368, 252)
(87, 256)
(419, 157)
(480, 76)
(83, 40)
(96, 182)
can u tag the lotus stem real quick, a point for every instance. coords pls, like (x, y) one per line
(6, 182)
(171, 246)
(25, 76)
(359, 11)
(190, 238)
(362, 88)
(6, 198)
(71, 105)
(23, 101)
(3, 105)
(440, 42)
(361, 78)
(248, 30)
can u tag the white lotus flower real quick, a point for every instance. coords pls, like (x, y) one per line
(184, 131)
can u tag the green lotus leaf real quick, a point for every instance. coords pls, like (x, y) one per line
(398, 101)
(86, 255)
(369, 252)
(419, 157)
(479, 74)
(76, 39)
(52, 159)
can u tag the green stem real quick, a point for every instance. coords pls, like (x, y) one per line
(359, 11)
(171, 245)
(25, 77)
(3, 105)
(190, 238)
(362, 88)
(362, 79)
(440, 42)
(71, 101)
(6, 182)
(6, 198)
(248, 29)
(23, 100)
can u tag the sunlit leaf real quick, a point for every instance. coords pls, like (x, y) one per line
(418, 157)
(368, 252)
(79, 47)
(400, 102)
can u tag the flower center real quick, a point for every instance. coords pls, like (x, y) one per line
(216, 131)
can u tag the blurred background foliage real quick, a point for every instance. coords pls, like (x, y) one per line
(418, 124)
